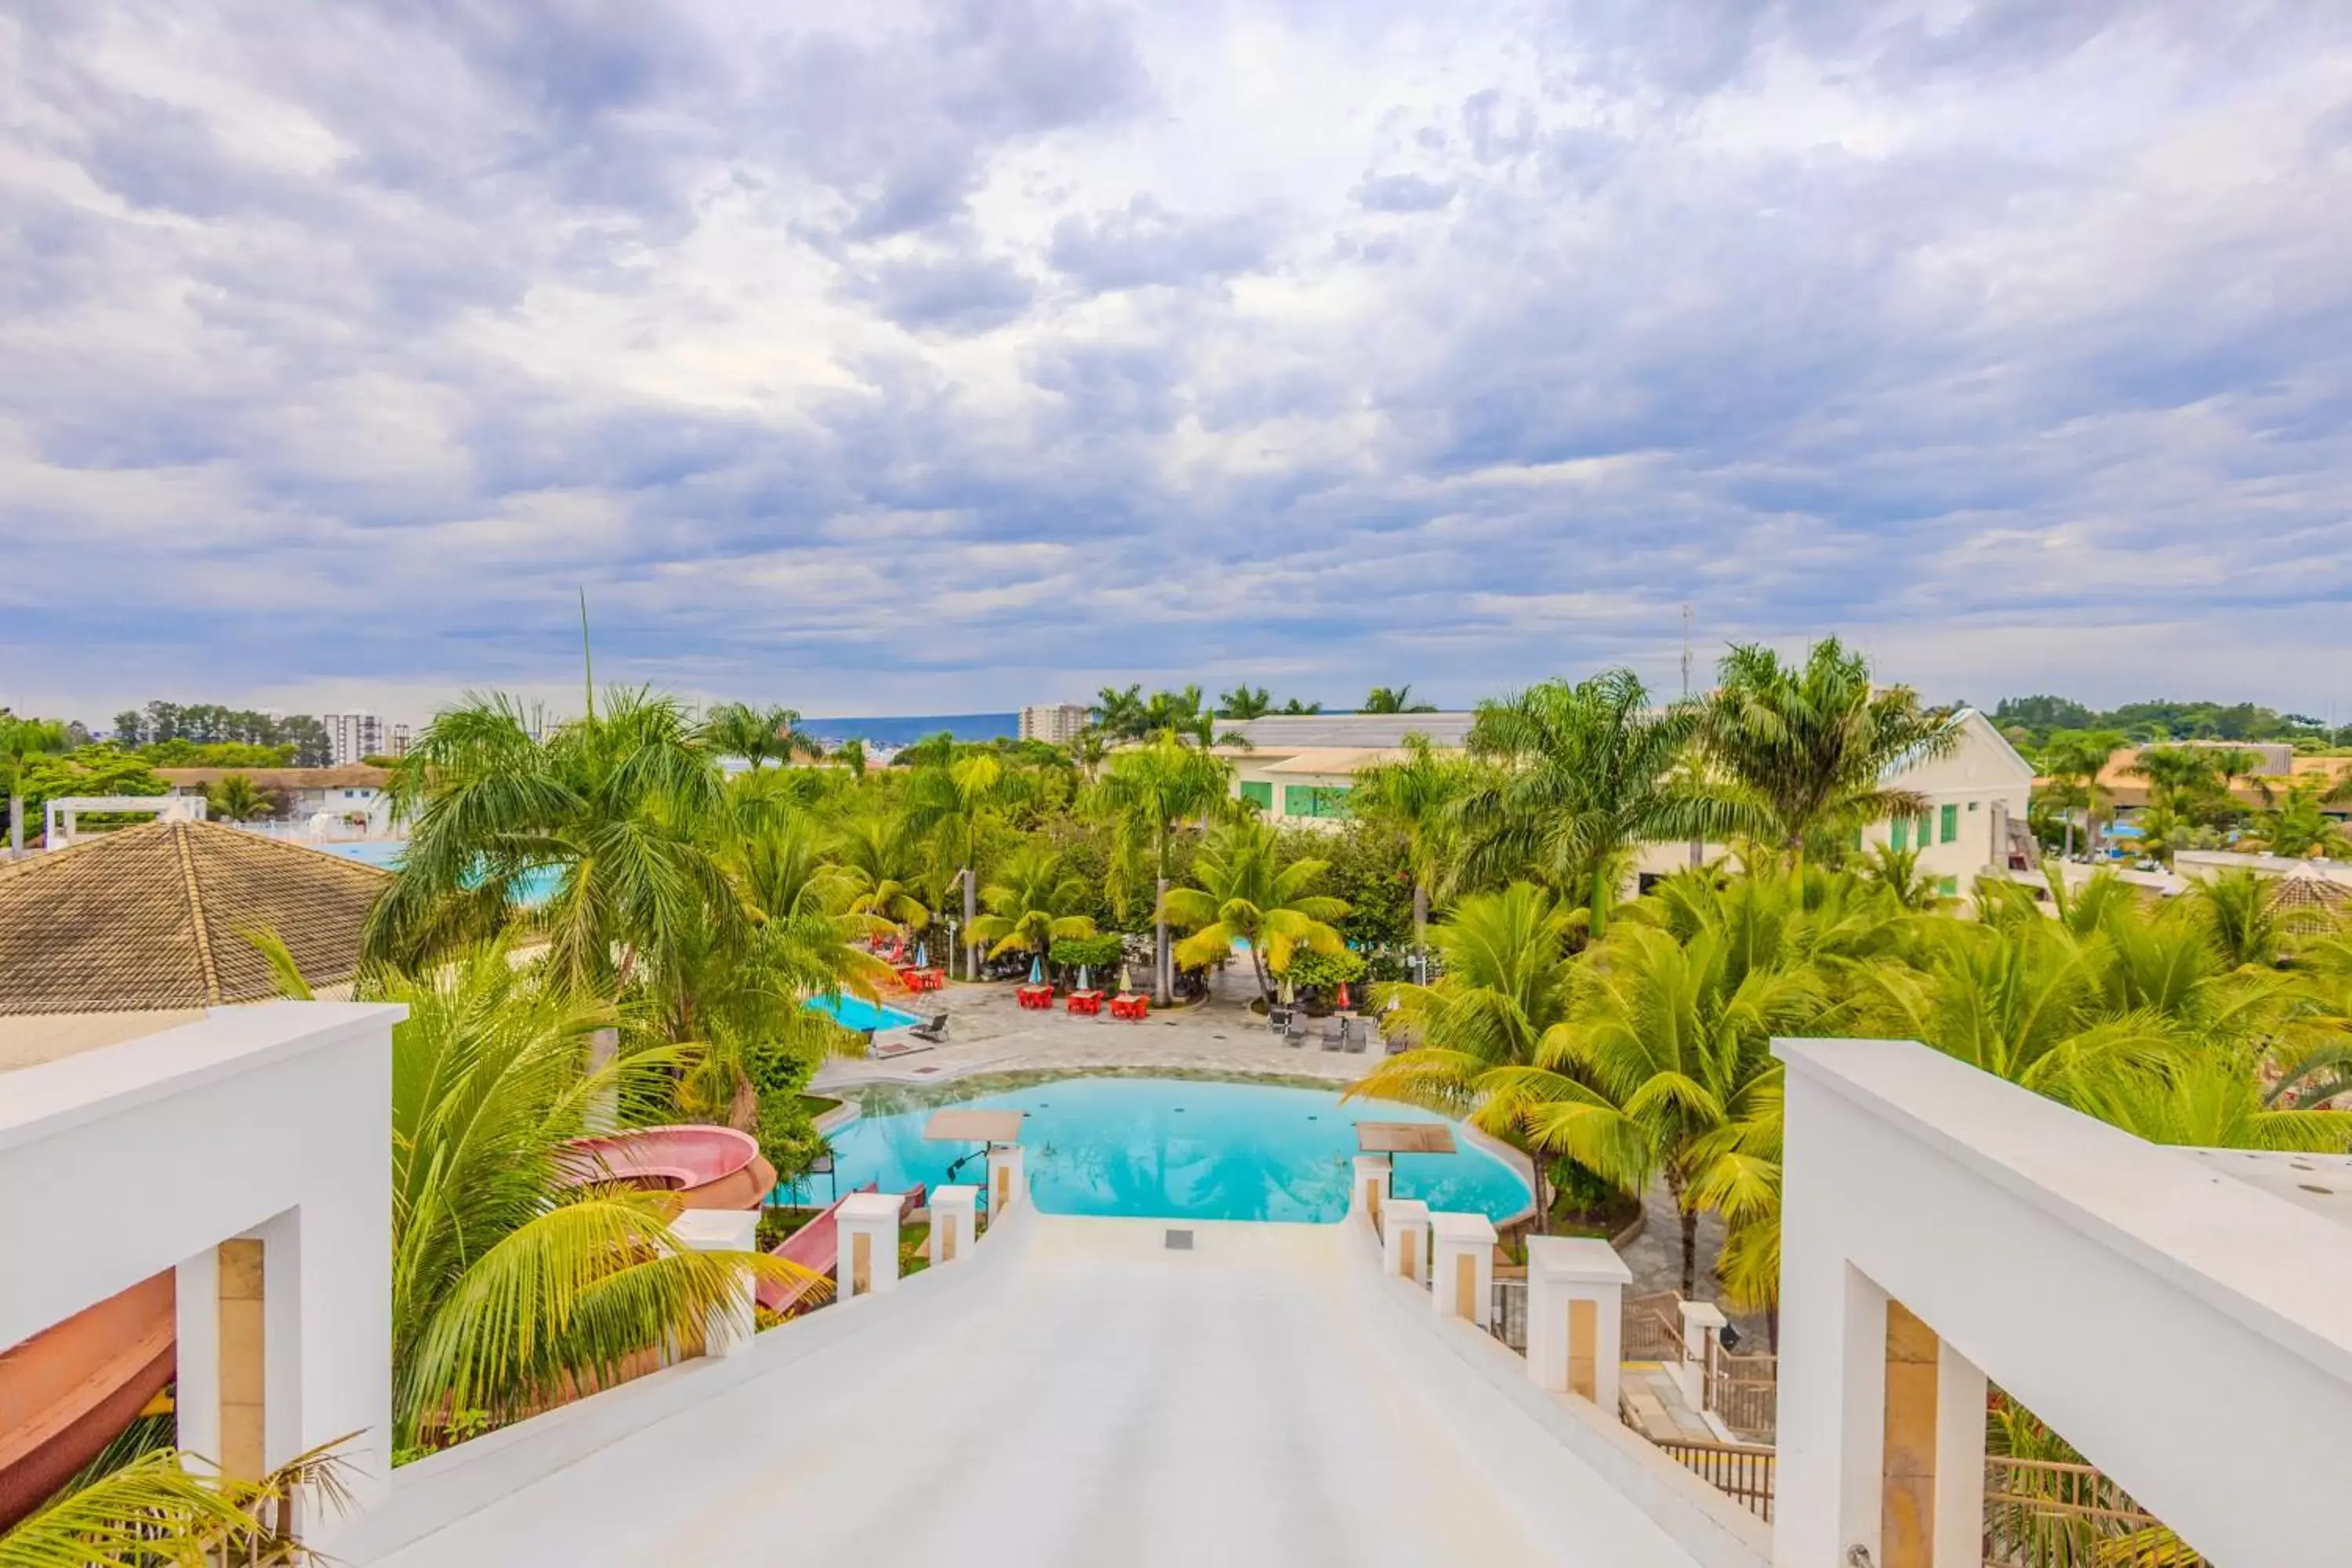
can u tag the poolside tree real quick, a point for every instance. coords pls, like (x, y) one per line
(623, 806)
(1500, 1007)
(954, 804)
(1580, 774)
(1145, 795)
(1034, 902)
(1246, 894)
(881, 861)
(1808, 749)
(2074, 760)
(1416, 797)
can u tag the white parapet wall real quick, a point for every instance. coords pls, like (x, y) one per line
(2190, 1332)
(266, 1125)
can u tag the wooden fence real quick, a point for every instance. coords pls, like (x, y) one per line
(2046, 1513)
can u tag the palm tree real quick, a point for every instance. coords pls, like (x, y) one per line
(2074, 760)
(1584, 773)
(758, 735)
(1145, 794)
(235, 798)
(166, 1506)
(1500, 1006)
(621, 806)
(1810, 748)
(1247, 895)
(954, 805)
(2213, 1100)
(851, 754)
(1119, 714)
(518, 1278)
(1246, 702)
(1897, 871)
(1416, 797)
(2297, 825)
(2236, 911)
(1394, 700)
(1034, 905)
(878, 856)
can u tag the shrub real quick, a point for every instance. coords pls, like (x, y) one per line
(1094, 951)
(1325, 971)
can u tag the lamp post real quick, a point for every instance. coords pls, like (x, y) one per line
(952, 924)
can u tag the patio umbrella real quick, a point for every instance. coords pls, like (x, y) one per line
(1126, 977)
(1082, 978)
(1342, 1001)
(922, 955)
(1036, 970)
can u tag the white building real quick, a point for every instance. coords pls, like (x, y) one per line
(355, 799)
(1299, 771)
(1053, 723)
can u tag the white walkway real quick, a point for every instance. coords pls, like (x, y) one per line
(1100, 1399)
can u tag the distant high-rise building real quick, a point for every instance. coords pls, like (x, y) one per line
(351, 736)
(398, 743)
(1054, 722)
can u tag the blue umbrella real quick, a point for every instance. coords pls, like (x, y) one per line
(1036, 970)
(922, 956)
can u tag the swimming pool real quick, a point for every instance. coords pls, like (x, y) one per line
(1175, 1149)
(857, 1013)
(533, 886)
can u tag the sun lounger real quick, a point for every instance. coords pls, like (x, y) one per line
(1293, 1029)
(1335, 1034)
(1352, 1033)
(936, 1031)
(1278, 1019)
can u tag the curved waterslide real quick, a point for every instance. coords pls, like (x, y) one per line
(708, 1167)
(69, 1390)
(1075, 1394)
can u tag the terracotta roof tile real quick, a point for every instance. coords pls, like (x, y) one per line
(154, 917)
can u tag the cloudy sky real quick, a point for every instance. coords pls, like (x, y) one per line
(918, 358)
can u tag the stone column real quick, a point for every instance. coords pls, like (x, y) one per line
(867, 1260)
(1461, 1266)
(1575, 1291)
(1367, 1190)
(1008, 1180)
(729, 1329)
(954, 1214)
(1700, 1321)
(1931, 1495)
(1404, 1241)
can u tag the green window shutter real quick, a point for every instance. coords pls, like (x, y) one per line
(1898, 833)
(1948, 886)
(1297, 800)
(1951, 822)
(1258, 793)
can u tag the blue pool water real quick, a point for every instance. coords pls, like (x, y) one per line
(857, 1013)
(1174, 1149)
(533, 887)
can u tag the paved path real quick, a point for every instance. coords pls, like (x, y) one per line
(1248, 1402)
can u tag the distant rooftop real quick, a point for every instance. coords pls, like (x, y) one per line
(1349, 732)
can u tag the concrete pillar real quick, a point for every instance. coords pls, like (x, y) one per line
(867, 1261)
(1959, 1460)
(1700, 1321)
(1368, 1192)
(729, 1329)
(1576, 1292)
(1461, 1266)
(1931, 1486)
(954, 1215)
(1008, 1179)
(1404, 1240)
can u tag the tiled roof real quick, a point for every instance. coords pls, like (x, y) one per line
(353, 776)
(154, 917)
(1306, 732)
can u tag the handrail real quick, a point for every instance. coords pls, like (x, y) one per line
(1743, 1472)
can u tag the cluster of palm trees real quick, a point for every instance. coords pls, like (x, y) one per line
(2199, 796)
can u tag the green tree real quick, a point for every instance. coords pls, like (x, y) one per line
(2073, 761)
(235, 798)
(1810, 748)
(1583, 774)
(1246, 894)
(91, 771)
(164, 1506)
(1145, 795)
(2297, 823)
(624, 806)
(954, 805)
(1416, 797)
(1036, 902)
(879, 857)
(1394, 700)
(1246, 702)
(758, 735)
(851, 754)
(1119, 714)
(21, 740)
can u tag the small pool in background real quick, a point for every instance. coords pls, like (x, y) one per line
(857, 1013)
(533, 887)
(1175, 1149)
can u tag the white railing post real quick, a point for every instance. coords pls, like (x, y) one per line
(1367, 1190)
(1404, 1240)
(866, 1263)
(953, 1211)
(1700, 1321)
(723, 1230)
(1462, 1263)
(1576, 1292)
(1008, 1179)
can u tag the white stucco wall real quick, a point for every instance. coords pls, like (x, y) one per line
(2190, 1333)
(274, 1121)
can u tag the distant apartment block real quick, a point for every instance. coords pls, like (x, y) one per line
(1054, 722)
(351, 736)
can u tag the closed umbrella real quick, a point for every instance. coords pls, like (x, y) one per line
(1126, 977)
(1082, 978)
(922, 955)
(1343, 996)
(1036, 970)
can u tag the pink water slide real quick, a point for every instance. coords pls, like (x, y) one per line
(817, 1247)
(68, 1390)
(708, 1167)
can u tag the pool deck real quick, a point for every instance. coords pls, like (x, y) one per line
(988, 1031)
